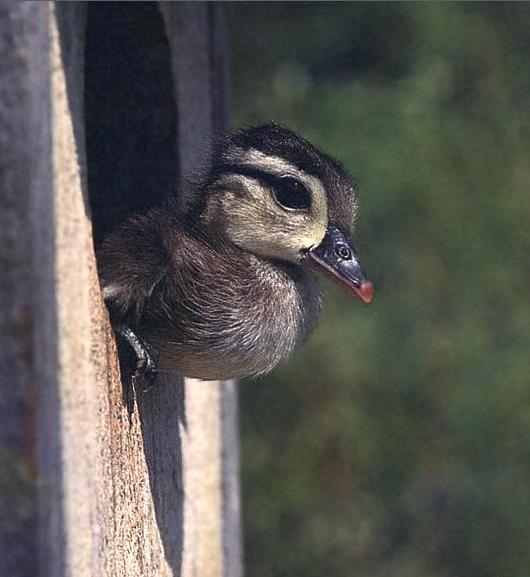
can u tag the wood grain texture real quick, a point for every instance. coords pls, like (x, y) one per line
(152, 492)
(196, 33)
(24, 95)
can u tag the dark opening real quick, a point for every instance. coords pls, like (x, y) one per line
(130, 112)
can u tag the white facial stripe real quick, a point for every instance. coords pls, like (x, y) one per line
(257, 159)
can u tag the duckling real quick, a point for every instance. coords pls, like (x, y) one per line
(225, 288)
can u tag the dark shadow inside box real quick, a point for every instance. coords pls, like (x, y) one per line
(130, 112)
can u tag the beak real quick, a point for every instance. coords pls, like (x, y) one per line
(335, 258)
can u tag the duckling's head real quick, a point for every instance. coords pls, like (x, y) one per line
(272, 193)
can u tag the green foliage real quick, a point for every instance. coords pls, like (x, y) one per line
(397, 442)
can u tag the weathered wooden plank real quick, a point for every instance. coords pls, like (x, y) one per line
(210, 447)
(154, 492)
(231, 514)
(24, 133)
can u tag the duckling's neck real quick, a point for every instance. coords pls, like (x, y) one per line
(288, 298)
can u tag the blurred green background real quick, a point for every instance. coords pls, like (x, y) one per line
(397, 442)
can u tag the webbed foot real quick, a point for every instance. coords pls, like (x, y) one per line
(145, 371)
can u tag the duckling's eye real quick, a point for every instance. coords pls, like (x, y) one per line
(291, 194)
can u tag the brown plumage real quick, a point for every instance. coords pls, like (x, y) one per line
(223, 290)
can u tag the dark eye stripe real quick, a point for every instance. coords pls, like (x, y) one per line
(288, 191)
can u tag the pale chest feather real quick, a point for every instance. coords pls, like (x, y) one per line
(282, 309)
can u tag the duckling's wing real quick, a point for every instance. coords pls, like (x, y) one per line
(132, 261)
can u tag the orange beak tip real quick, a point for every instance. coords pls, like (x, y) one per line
(366, 292)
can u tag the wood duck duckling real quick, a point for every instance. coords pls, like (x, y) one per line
(225, 288)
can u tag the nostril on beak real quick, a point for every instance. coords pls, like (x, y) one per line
(343, 252)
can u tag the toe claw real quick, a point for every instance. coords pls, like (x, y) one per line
(145, 374)
(145, 370)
